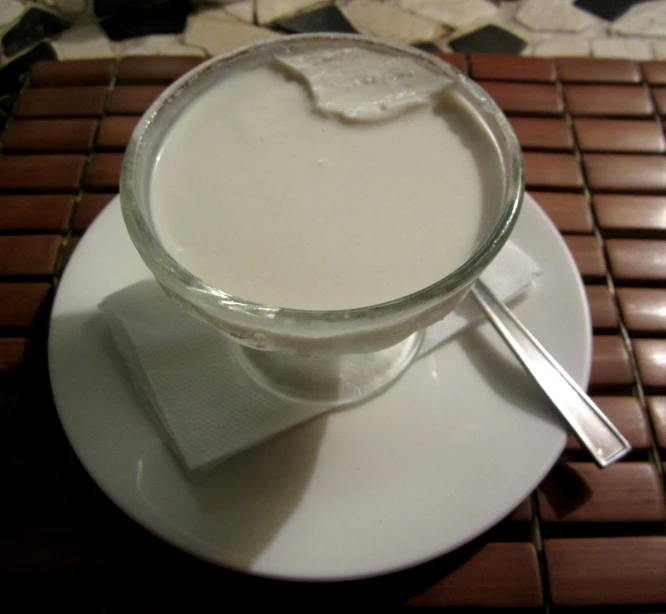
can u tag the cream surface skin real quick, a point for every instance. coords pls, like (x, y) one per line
(262, 195)
(361, 85)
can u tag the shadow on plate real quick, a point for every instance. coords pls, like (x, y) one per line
(507, 377)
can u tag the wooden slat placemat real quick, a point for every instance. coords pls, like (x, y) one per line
(595, 155)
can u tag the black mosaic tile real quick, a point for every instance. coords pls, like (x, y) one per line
(325, 19)
(33, 27)
(162, 17)
(489, 39)
(14, 74)
(107, 8)
(607, 9)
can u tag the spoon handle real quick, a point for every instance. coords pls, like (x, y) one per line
(593, 429)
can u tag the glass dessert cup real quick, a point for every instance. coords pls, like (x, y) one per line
(333, 357)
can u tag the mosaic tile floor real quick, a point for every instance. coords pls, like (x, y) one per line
(71, 29)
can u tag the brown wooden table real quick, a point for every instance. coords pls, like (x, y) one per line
(593, 136)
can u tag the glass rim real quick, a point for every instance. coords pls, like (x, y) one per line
(168, 270)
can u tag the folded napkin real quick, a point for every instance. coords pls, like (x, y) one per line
(203, 403)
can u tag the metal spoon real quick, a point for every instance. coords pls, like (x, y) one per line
(593, 429)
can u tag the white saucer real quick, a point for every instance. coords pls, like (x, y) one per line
(461, 439)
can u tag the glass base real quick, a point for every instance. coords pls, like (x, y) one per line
(331, 380)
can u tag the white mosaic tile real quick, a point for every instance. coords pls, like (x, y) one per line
(272, 10)
(82, 41)
(550, 44)
(659, 49)
(219, 34)
(553, 16)
(629, 48)
(502, 18)
(10, 11)
(68, 8)
(506, 18)
(645, 19)
(241, 10)
(561, 46)
(158, 44)
(220, 14)
(453, 13)
(375, 18)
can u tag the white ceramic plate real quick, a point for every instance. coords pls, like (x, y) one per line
(444, 454)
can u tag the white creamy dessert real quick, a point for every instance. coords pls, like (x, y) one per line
(276, 198)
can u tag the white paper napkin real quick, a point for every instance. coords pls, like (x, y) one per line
(202, 401)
